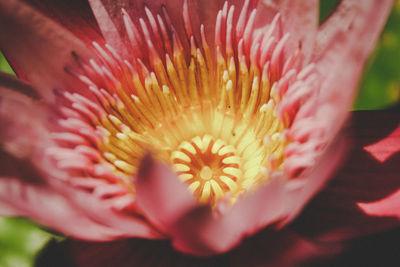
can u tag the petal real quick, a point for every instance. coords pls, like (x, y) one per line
(353, 21)
(26, 120)
(384, 150)
(389, 206)
(109, 18)
(38, 48)
(24, 192)
(299, 19)
(373, 250)
(75, 15)
(343, 43)
(336, 213)
(282, 201)
(160, 195)
(198, 230)
(51, 209)
(265, 249)
(23, 119)
(126, 224)
(342, 46)
(282, 248)
(387, 146)
(13, 83)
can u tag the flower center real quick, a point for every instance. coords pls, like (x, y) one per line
(208, 111)
(206, 173)
(209, 166)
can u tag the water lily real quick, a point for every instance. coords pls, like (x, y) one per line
(201, 122)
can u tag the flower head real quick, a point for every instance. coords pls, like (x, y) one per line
(200, 125)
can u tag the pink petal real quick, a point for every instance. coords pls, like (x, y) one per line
(23, 192)
(199, 230)
(388, 207)
(25, 120)
(127, 224)
(70, 212)
(22, 120)
(51, 209)
(353, 21)
(343, 44)
(38, 48)
(160, 195)
(354, 203)
(299, 19)
(282, 200)
(386, 147)
(109, 18)
(10, 167)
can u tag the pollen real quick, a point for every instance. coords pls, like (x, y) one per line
(209, 110)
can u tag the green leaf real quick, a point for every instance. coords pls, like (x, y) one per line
(4, 66)
(20, 240)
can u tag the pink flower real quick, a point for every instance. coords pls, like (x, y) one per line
(198, 121)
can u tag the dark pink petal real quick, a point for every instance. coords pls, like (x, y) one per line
(38, 48)
(75, 15)
(363, 196)
(267, 248)
(383, 151)
(124, 253)
(281, 248)
(299, 19)
(374, 250)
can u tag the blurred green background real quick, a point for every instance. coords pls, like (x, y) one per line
(20, 239)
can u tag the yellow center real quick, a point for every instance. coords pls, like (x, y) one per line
(209, 166)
